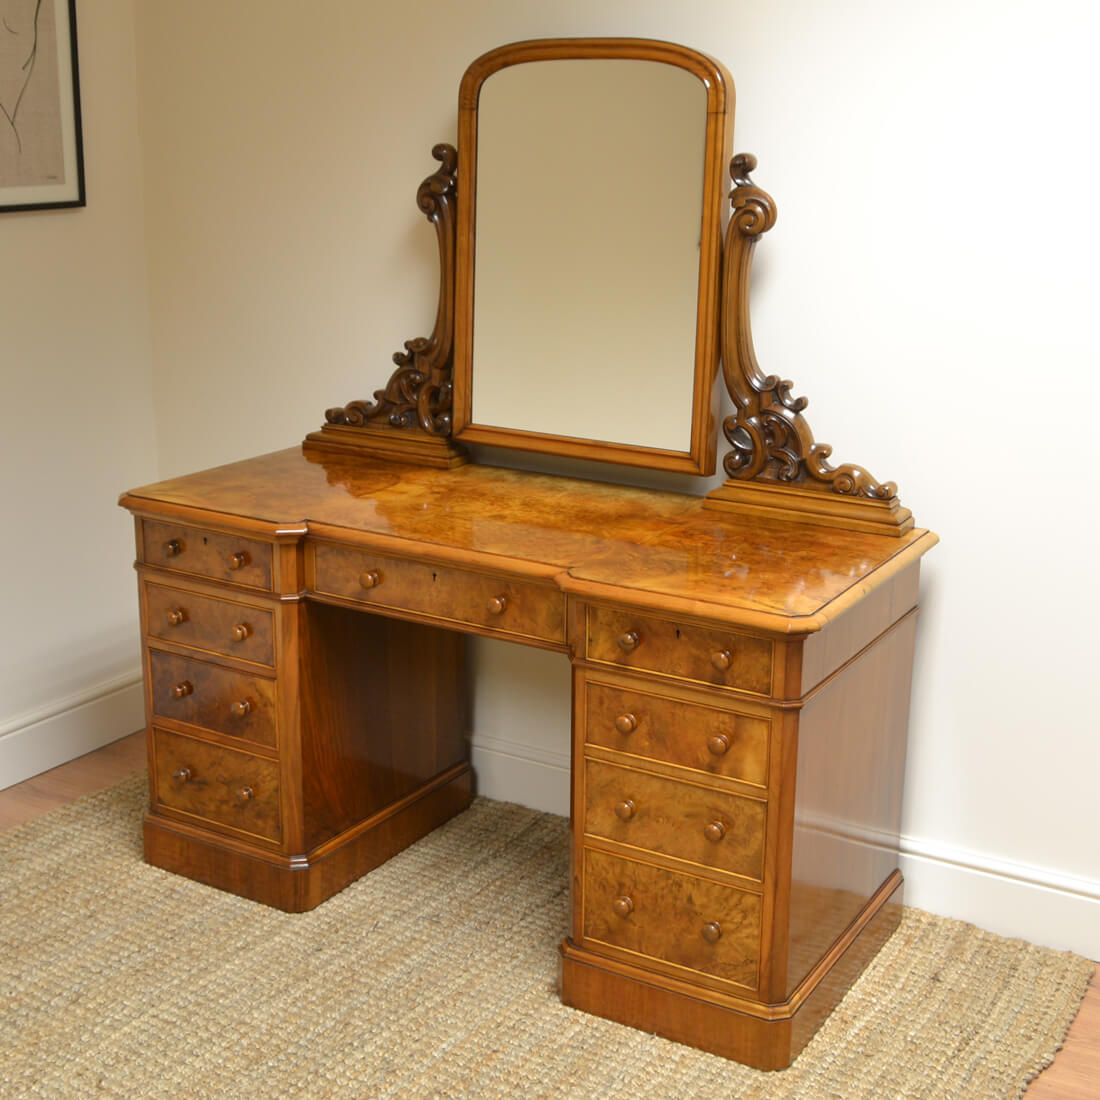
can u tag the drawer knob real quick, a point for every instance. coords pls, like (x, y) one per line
(718, 744)
(176, 616)
(181, 689)
(626, 723)
(623, 906)
(181, 775)
(721, 660)
(238, 560)
(497, 605)
(242, 632)
(370, 579)
(172, 547)
(628, 642)
(245, 794)
(711, 931)
(241, 708)
(714, 831)
(624, 811)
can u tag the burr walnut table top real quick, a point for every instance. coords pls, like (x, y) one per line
(594, 539)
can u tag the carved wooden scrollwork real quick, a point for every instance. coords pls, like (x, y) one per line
(770, 439)
(420, 392)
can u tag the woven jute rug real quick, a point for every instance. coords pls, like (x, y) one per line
(435, 975)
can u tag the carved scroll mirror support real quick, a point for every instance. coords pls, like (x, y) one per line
(775, 468)
(410, 419)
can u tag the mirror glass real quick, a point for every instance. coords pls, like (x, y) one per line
(590, 243)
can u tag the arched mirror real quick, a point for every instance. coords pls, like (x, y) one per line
(588, 254)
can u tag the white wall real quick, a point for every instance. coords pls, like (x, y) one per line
(76, 427)
(933, 166)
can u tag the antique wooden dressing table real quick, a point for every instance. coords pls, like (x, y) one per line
(741, 665)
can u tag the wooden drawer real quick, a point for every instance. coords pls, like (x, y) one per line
(498, 605)
(719, 742)
(223, 557)
(216, 698)
(697, 653)
(684, 820)
(217, 626)
(672, 917)
(229, 788)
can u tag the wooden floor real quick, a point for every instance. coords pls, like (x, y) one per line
(1075, 1074)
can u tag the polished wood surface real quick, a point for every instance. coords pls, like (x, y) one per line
(688, 731)
(385, 715)
(227, 627)
(460, 598)
(205, 553)
(680, 650)
(740, 686)
(655, 550)
(712, 829)
(224, 787)
(678, 921)
(220, 700)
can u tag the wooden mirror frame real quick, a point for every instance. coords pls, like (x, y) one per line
(699, 457)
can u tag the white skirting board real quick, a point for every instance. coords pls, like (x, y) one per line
(1012, 899)
(38, 740)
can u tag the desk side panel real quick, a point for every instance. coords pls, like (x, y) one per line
(384, 714)
(847, 813)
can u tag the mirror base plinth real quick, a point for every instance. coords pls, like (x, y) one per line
(406, 445)
(771, 500)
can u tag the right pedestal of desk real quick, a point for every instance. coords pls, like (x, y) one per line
(735, 810)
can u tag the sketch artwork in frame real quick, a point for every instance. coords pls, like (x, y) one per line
(41, 159)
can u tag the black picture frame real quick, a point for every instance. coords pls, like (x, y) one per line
(41, 138)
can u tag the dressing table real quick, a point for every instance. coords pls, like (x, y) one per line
(741, 662)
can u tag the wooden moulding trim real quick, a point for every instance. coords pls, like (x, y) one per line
(315, 855)
(623, 454)
(786, 502)
(774, 623)
(714, 75)
(278, 531)
(775, 1012)
(382, 441)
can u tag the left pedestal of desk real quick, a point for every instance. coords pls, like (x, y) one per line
(293, 745)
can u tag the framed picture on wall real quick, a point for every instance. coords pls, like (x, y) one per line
(41, 153)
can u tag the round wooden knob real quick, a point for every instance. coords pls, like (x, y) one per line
(496, 605)
(628, 642)
(181, 689)
(718, 744)
(711, 931)
(172, 547)
(624, 811)
(714, 831)
(721, 660)
(626, 723)
(176, 616)
(623, 906)
(241, 632)
(181, 775)
(246, 794)
(370, 579)
(238, 560)
(241, 707)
